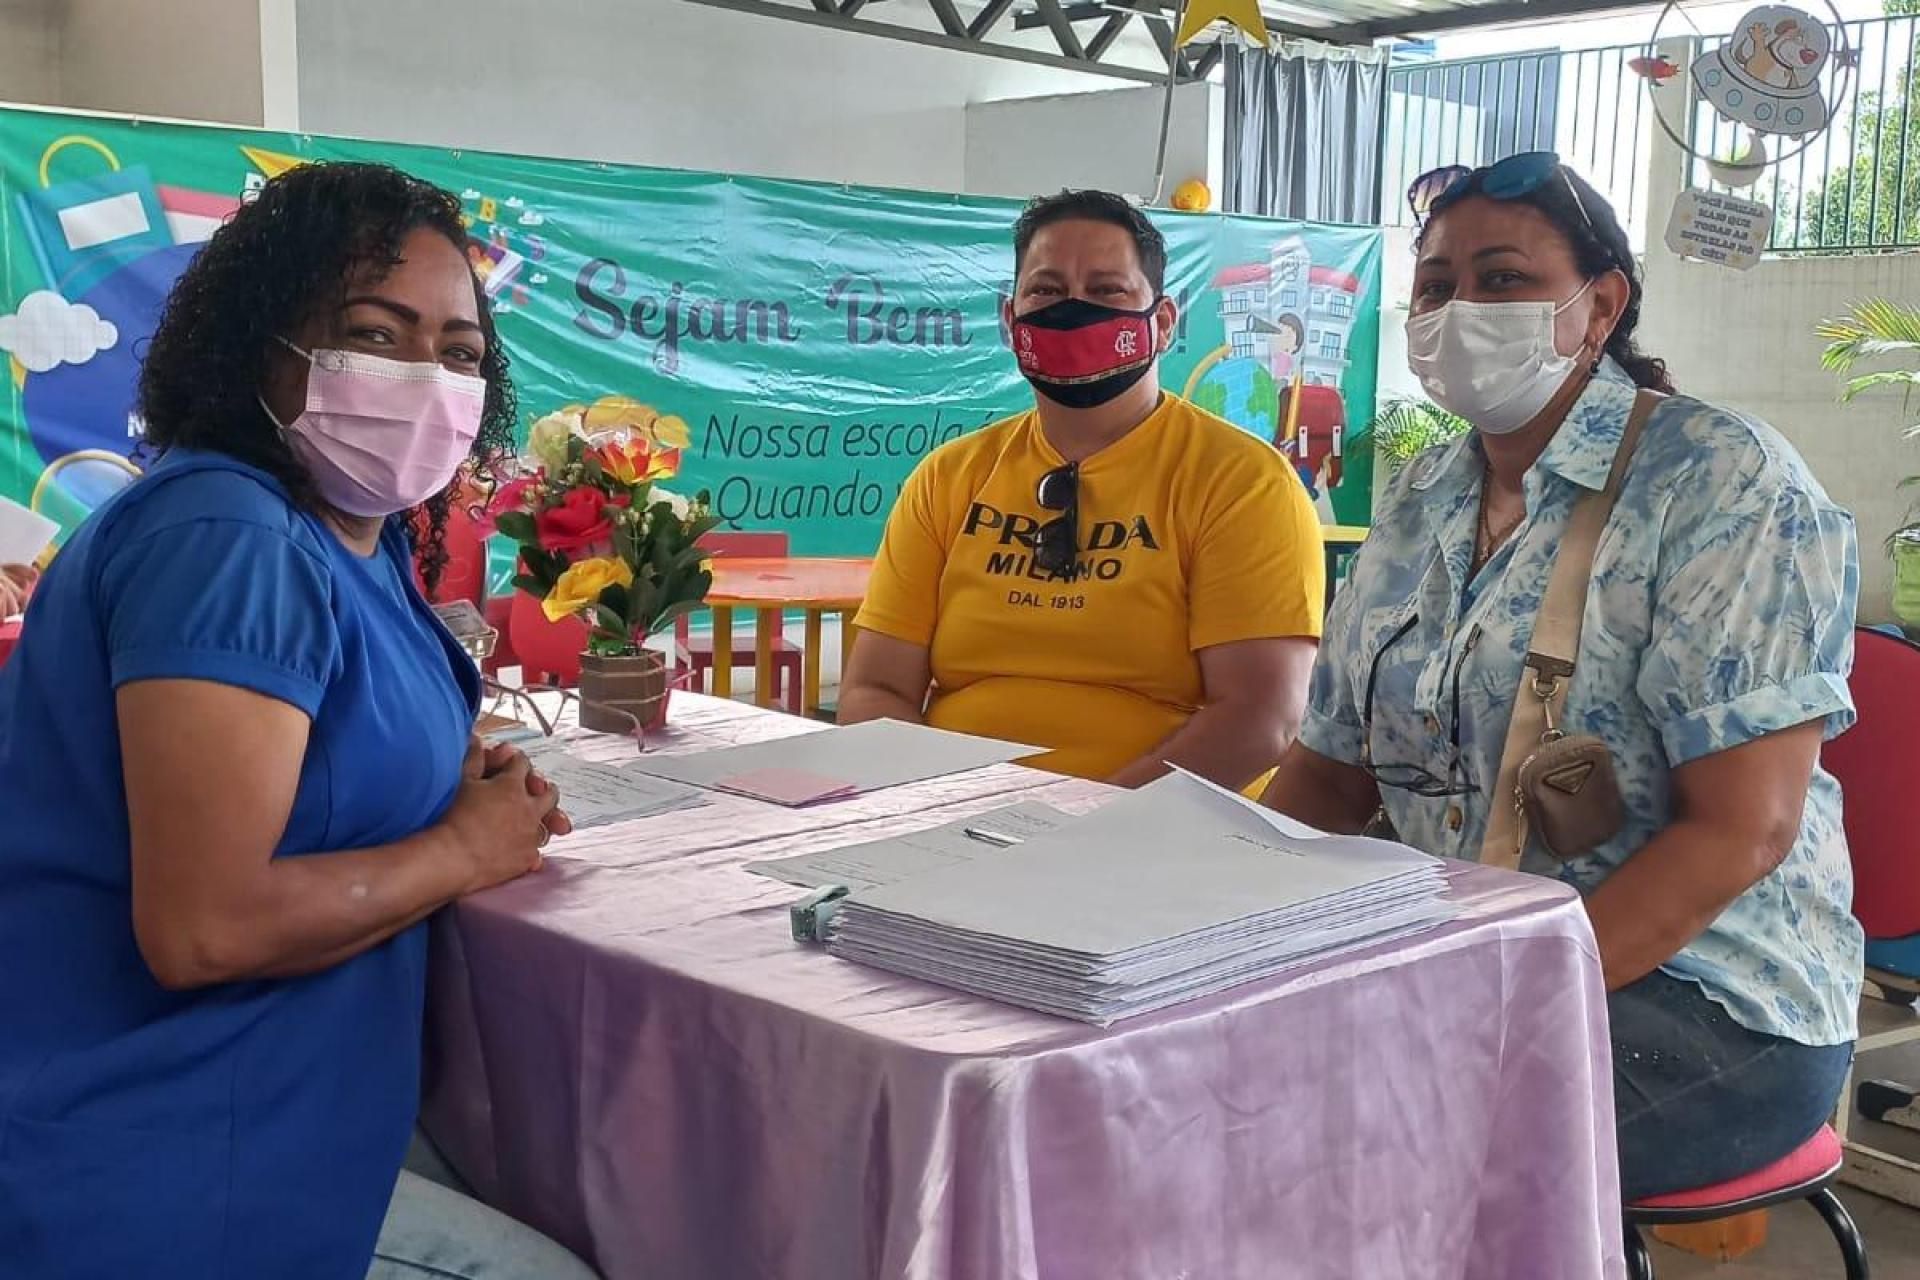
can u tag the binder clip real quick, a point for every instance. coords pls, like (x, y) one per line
(810, 915)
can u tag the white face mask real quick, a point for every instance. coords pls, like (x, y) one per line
(1493, 363)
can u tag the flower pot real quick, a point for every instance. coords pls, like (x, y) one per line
(636, 685)
(1906, 580)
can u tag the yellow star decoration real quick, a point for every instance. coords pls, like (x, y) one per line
(271, 163)
(1244, 14)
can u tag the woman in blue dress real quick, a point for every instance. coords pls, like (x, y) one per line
(1712, 662)
(237, 772)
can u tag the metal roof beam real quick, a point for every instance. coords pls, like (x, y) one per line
(950, 20)
(988, 18)
(1109, 32)
(1063, 33)
(1087, 10)
(840, 20)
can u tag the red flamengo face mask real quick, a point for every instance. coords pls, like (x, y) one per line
(1081, 354)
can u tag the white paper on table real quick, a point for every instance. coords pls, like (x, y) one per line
(594, 794)
(878, 862)
(24, 534)
(867, 757)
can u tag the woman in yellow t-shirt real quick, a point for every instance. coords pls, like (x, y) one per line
(1114, 575)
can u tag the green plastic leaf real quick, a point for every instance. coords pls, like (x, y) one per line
(671, 614)
(517, 525)
(607, 620)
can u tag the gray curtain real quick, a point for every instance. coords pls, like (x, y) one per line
(1303, 134)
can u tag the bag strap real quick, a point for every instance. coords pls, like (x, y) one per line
(1551, 653)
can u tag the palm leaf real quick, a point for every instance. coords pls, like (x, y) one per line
(1875, 327)
(1906, 379)
(1406, 428)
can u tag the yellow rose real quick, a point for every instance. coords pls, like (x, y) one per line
(580, 586)
(547, 439)
(611, 414)
(672, 433)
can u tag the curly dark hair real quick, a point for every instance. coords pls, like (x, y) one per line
(283, 255)
(1095, 206)
(1599, 243)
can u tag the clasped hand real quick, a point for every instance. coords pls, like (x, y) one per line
(504, 813)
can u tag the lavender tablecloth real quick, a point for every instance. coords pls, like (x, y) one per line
(627, 1051)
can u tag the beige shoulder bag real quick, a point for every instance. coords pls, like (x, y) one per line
(1558, 788)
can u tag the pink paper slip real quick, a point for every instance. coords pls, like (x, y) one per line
(791, 787)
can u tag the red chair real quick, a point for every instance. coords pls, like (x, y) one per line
(1806, 1174)
(464, 576)
(1875, 762)
(695, 653)
(549, 652)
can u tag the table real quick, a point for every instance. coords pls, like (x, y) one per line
(769, 586)
(627, 1050)
(1341, 541)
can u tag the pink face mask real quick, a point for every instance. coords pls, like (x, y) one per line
(380, 436)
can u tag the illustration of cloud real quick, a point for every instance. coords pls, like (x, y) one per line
(538, 277)
(48, 331)
(470, 194)
(515, 202)
(532, 219)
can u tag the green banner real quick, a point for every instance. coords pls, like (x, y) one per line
(818, 340)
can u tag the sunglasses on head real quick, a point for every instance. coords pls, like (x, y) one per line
(1508, 179)
(1056, 544)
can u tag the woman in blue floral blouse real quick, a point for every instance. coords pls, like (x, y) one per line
(1714, 650)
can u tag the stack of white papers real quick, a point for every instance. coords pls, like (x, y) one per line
(834, 764)
(1173, 892)
(878, 862)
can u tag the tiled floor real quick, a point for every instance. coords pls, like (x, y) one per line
(1799, 1246)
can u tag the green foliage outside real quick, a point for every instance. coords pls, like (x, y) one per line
(1875, 199)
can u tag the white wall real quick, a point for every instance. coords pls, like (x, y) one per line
(1035, 146)
(29, 52)
(658, 82)
(192, 59)
(1746, 340)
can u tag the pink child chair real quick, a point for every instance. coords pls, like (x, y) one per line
(694, 654)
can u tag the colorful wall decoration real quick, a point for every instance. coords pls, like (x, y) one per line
(819, 340)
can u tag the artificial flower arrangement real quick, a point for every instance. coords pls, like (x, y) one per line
(599, 541)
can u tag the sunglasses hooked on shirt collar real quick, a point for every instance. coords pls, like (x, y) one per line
(1414, 778)
(1056, 544)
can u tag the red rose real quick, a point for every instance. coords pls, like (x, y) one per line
(513, 496)
(577, 522)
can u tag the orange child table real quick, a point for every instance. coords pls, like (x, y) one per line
(816, 585)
